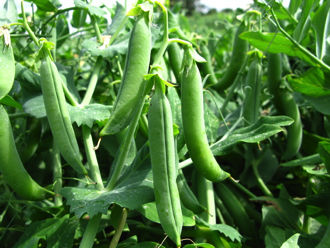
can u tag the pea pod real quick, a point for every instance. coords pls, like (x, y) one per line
(238, 57)
(193, 123)
(285, 104)
(187, 197)
(131, 88)
(175, 58)
(207, 67)
(162, 153)
(251, 107)
(58, 114)
(7, 64)
(236, 210)
(11, 165)
(295, 131)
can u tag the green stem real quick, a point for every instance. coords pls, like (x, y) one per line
(124, 146)
(90, 232)
(242, 188)
(79, 31)
(164, 43)
(96, 27)
(185, 163)
(91, 157)
(92, 82)
(180, 41)
(119, 230)
(120, 27)
(57, 176)
(58, 12)
(26, 26)
(260, 182)
(300, 47)
(69, 96)
(311, 159)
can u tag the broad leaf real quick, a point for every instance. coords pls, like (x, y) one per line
(311, 83)
(149, 211)
(130, 193)
(8, 12)
(58, 233)
(275, 236)
(226, 230)
(46, 5)
(264, 128)
(88, 114)
(117, 20)
(321, 25)
(118, 47)
(92, 9)
(275, 43)
(292, 242)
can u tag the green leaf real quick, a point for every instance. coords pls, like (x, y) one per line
(292, 242)
(275, 236)
(118, 47)
(8, 100)
(264, 128)
(275, 43)
(130, 193)
(88, 114)
(324, 151)
(149, 211)
(92, 9)
(58, 233)
(46, 5)
(8, 13)
(304, 22)
(85, 115)
(226, 230)
(117, 20)
(35, 106)
(79, 18)
(321, 25)
(280, 212)
(311, 83)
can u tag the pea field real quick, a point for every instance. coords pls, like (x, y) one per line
(154, 126)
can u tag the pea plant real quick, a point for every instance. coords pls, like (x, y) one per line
(144, 127)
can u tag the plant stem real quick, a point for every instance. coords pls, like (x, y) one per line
(92, 82)
(57, 169)
(124, 146)
(242, 188)
(261, 182)
(300, 47)
(119, 230)
(90, 232)
(26, 26)
(91, 157)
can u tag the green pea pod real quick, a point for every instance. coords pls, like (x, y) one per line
(11, 165)
(162, 153)
(236, 210)
(131, 88)
(175, 54)
(58, 115)
(251, 107)
(187, 197)
(205, 194)
(285, 104)
(7, 65)
(238, 57)
(193, 123)
(295, 131)
(207, 68)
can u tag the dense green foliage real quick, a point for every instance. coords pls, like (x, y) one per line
(149, 127)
